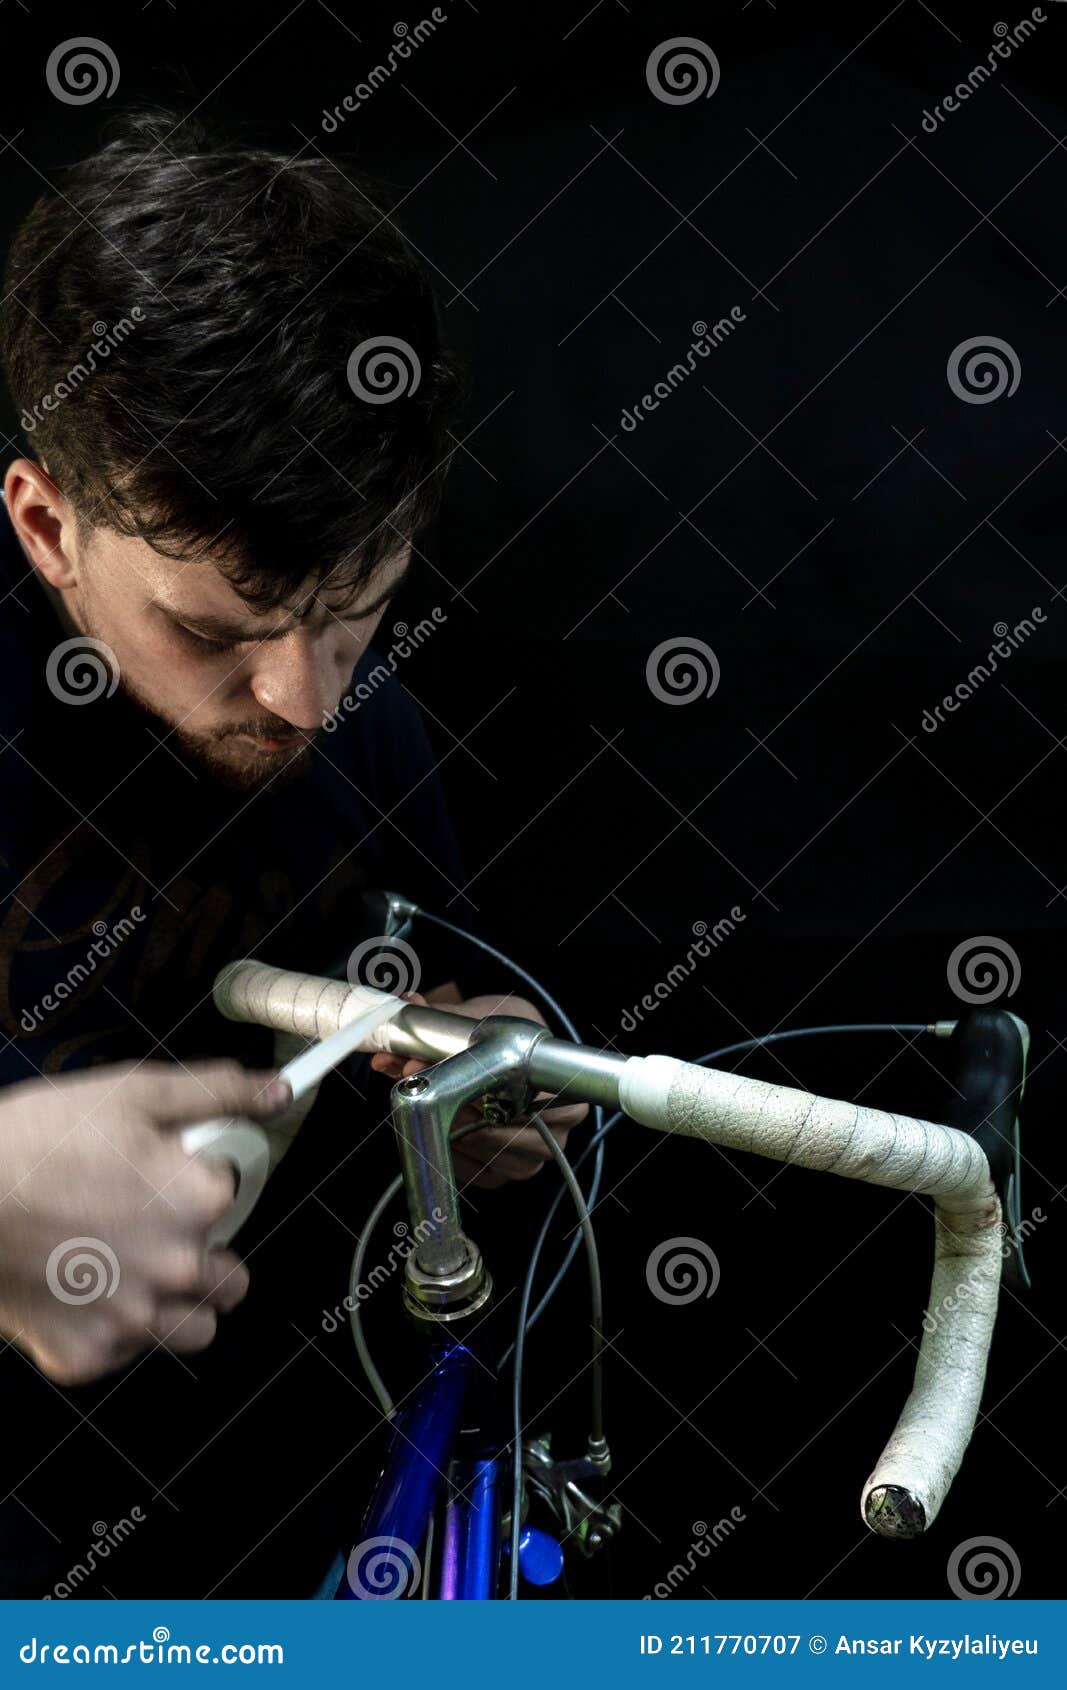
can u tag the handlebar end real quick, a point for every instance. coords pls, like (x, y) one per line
(992, 1047)
(893, 1511)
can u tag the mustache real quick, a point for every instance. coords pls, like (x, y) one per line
(267, 730)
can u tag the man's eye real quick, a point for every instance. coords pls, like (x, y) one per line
(201, 641)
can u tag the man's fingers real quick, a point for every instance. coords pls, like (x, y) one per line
(189, 1322)
(397, 1067)
(565, 1117)
(182, 1324)
(225, 1281)
(504, 1169)
(486, 1179)
(194, 1191)
(199, 1091)
(516, 1152)
(526, 1140)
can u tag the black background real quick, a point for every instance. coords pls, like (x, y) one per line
(846, 580)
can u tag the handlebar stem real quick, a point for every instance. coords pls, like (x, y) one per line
(444, 1272)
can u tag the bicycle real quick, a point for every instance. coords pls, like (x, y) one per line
(442, 1520)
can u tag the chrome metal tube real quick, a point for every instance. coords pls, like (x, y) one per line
(591, 1076)
(428, 1034)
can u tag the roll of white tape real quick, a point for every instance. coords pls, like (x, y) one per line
(244, 1146)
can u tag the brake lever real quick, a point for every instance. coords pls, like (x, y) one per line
(991, 1047)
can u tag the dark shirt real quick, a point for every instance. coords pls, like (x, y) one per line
(240, 1459)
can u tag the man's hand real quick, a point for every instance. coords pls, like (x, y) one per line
(104, 1218)
(494, 1155)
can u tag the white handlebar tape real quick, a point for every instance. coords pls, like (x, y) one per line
(247, 1145)
(314, 1063)
(921, 1459)
(903, 1494)
(292, 1002)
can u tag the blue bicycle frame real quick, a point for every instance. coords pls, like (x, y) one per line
(385, 1561)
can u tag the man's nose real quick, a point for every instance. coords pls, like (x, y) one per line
(293, 680)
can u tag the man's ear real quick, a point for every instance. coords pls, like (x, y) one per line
(44, 522)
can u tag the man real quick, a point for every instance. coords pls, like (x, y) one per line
(222, 495)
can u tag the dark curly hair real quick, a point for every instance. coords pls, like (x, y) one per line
(218, 415)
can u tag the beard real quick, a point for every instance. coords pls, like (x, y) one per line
(223, 756)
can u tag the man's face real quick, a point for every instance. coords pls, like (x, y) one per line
(243, 693)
